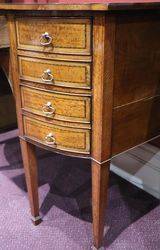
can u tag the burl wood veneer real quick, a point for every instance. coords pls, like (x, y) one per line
(61, 106)
(70, 36)
(67, 74)
(86, 82)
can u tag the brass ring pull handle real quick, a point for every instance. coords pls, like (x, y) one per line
(48, 110)
(45, 39)
(47, 76)
(50, 140)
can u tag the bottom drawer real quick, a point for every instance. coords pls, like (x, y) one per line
(59, 137)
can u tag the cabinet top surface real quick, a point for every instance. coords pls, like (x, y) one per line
(75, 5)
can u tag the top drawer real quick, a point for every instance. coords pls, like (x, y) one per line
(54, 35)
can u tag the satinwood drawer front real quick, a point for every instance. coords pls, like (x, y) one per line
(54, 35)
(58, 137)
(67, 74)
(56, 105)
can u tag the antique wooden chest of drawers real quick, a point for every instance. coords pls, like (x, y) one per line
(58, 118)
(86, 81)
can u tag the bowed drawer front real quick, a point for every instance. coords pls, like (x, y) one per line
(54, 35)
(59, 137)
(67, 74)
(56, 105)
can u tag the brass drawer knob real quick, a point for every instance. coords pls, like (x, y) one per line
(47, 76)
(50, 140)
(48, 110)
(45, 39)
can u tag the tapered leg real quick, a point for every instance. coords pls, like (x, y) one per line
(30, 167)
(100, 178)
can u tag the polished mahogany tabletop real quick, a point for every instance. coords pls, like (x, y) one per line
(100, 5)
(82, 1)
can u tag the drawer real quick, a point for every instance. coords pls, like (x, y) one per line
(58, 137)
(56, 105)
(67, 74)
(54, 35)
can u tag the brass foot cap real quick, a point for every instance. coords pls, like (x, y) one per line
(36, 220)
(100, 248)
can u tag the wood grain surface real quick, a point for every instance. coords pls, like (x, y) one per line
(137, 57)
(135, 123)
(69, 36)
(66, 107)
(67, 74)
(89, 5)
(67, 139)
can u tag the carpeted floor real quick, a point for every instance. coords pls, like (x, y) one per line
(133, 216)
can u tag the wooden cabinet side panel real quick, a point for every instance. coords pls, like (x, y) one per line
(135, 123)
(136, 116)
(137, 57)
